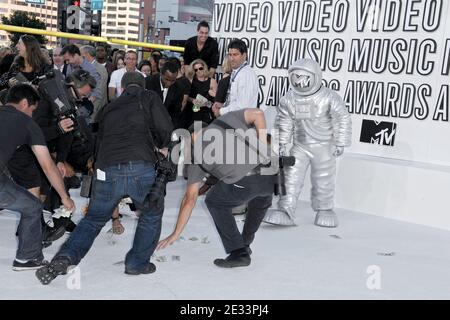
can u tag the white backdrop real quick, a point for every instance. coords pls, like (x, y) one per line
(389, 60)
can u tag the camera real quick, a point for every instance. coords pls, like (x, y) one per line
(166, 171)
(279, 180)
(53, 86)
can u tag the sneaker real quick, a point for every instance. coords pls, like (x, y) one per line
(149, 268)
(29, 265)
(57, 267)
(70, 226)
(52, 234)
(237, 258)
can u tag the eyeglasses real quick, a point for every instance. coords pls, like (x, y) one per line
(201, 69)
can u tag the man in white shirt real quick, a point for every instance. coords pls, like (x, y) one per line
(243, 89)
(115, 87)
(100, 57)
(58, 60)
(89, 53)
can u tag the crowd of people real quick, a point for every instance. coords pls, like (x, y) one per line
(81, 110)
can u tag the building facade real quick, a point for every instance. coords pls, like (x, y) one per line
(46, 12)
(160, 20)
(147, 15)
(120, 19)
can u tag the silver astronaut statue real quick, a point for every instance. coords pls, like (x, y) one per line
(315, 121)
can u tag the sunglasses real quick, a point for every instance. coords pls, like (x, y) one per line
(201, 69)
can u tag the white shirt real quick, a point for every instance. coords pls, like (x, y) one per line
(116, 80)
(58, 68)
(164, 90)
(243, 91)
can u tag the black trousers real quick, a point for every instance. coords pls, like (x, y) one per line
(257, 191)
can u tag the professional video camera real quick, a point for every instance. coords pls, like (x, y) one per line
(20, 79)
(53, 87)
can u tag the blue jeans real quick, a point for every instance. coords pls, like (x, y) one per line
(16, 198)
(134, 180)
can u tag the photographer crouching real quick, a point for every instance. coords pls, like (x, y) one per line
(62, 115)
(240, 180)
(130, 128)
(16, 129)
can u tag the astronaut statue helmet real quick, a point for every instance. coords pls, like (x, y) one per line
(305, 77)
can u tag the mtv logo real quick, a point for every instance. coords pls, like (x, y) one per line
(381, 133)
(304, 81)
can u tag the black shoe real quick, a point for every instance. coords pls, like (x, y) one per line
(70, 226)
(51, 234)
(29, 265)
(57, 267)
(149, 268)
(237, 258)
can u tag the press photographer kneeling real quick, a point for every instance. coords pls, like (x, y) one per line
(62, 115)
(130, 128)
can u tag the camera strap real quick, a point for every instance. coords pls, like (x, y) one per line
(147, 120)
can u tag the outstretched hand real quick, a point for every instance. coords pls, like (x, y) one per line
(68, 204)
(167, 242)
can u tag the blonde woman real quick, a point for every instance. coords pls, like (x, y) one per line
(202, 84)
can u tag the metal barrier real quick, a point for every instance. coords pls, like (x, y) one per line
(89, 38)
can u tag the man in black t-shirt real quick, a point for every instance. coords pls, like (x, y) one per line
(17, 129)
(202, 46)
